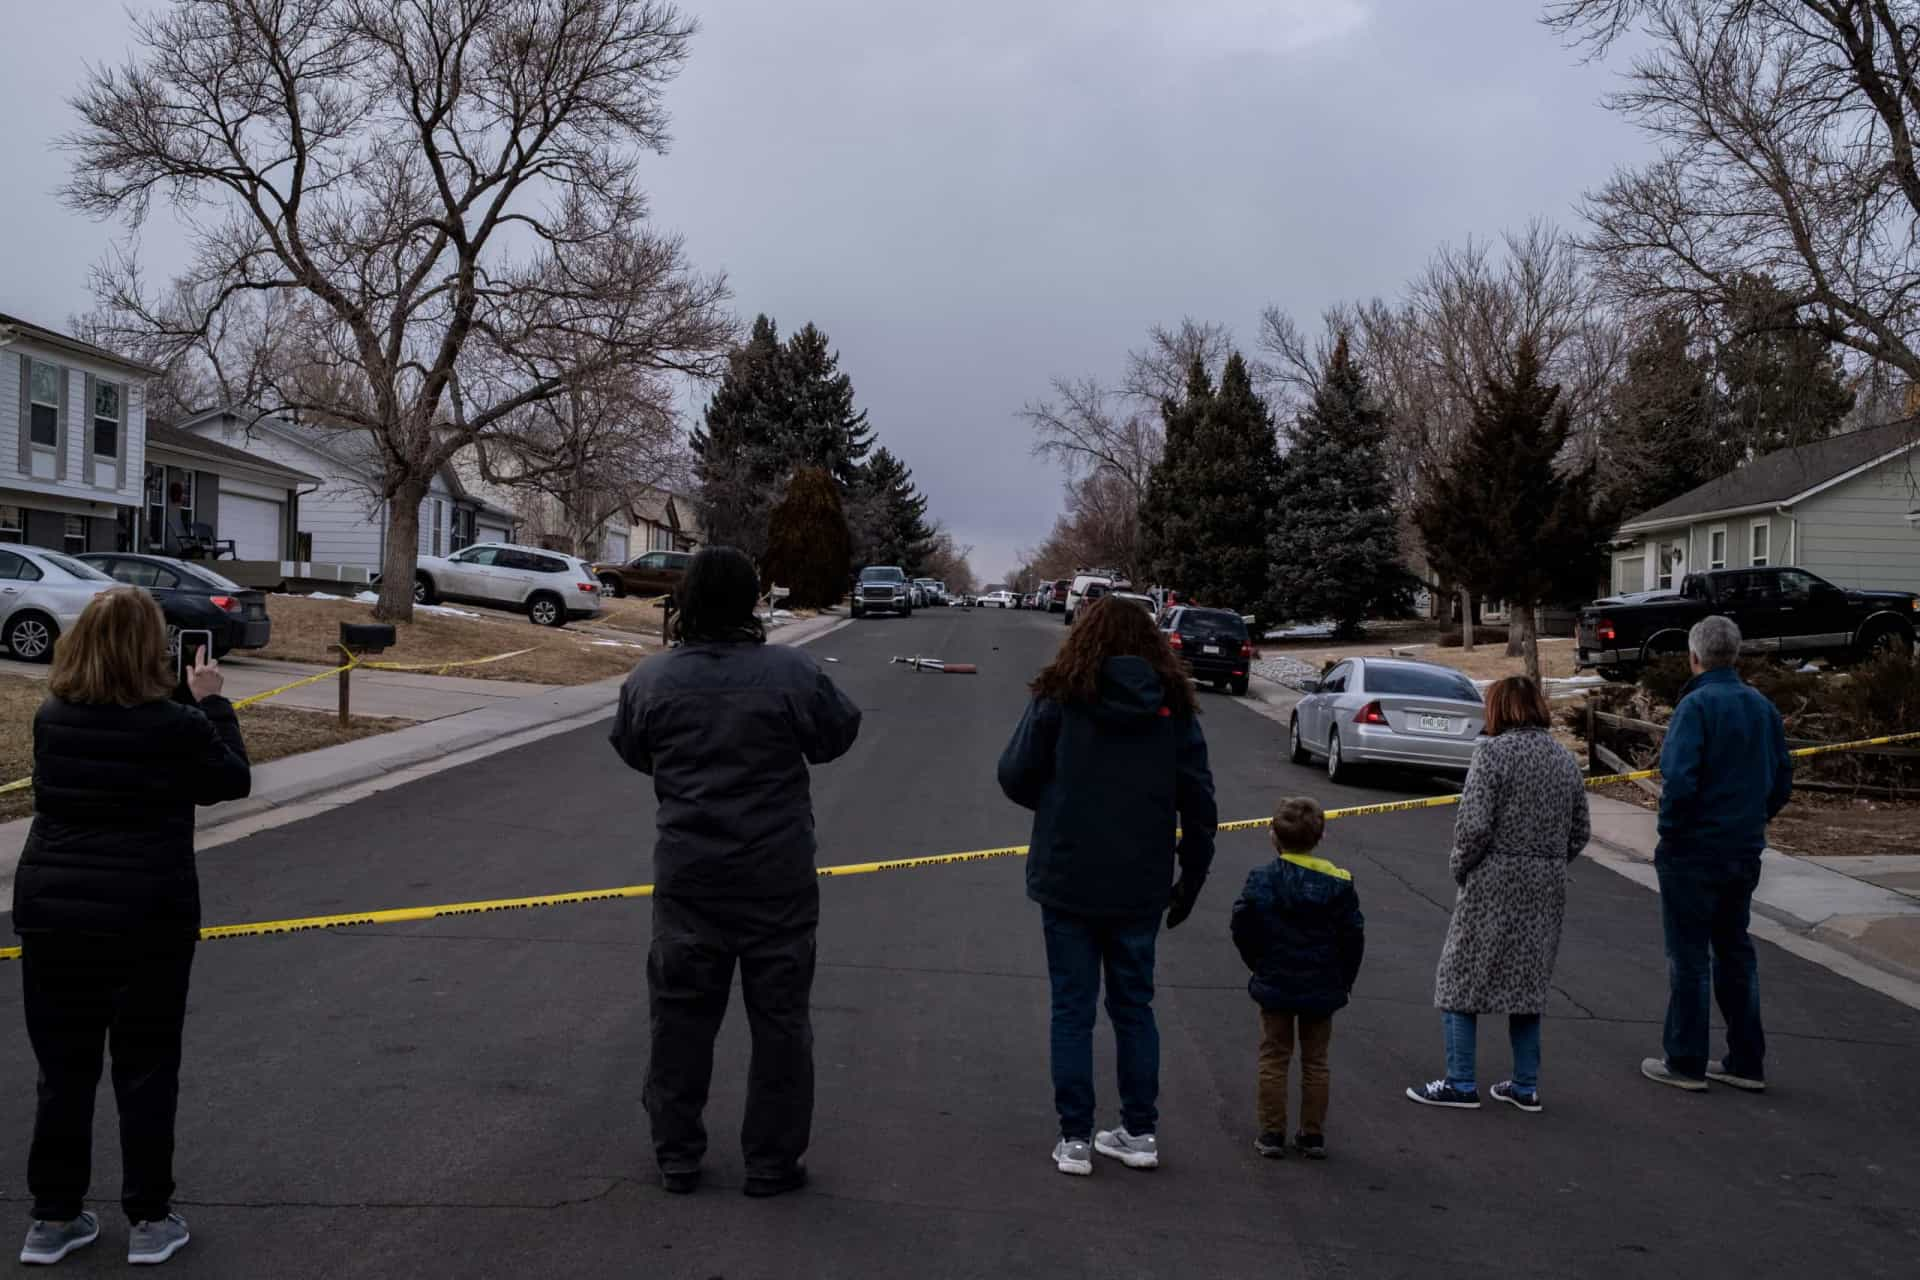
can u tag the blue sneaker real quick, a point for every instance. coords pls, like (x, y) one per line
(1438, 1093)
(48, 1242)
(1509, 1092)
(152, 1243)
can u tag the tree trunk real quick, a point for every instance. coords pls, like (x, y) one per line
(1466, 621)
(1526, 633)
(401, 558)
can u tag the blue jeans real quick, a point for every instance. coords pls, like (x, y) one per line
(1463, 1029)
(1704, 908)
(1079, 948)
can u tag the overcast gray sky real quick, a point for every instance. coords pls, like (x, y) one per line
(973, 198)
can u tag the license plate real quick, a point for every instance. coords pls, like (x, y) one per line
(1435, 724)
(1210, 648)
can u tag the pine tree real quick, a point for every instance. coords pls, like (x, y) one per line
(809, 551)
(888, 515)
(823, 428)
(1783, 385)
(1662, 435)
(1501, 517)
(1335, 540)
(740, 450)
(1203, 520)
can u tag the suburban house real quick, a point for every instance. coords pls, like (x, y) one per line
(663, 521)
(249, 506)
(1846, 508)
(73, 441)
(339, 522)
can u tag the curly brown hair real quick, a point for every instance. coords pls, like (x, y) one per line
(1110, 628)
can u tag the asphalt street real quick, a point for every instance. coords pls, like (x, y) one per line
(462, 1097)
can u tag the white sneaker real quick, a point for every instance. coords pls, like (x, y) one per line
(1135, 1152)
(1073, 1156)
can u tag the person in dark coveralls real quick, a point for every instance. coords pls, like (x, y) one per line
(727, 725)
(1110, 758)
(107, 905)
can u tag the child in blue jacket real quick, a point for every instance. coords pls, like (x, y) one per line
(1298, 926)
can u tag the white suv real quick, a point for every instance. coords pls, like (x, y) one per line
(551, 587)
(1082, 584)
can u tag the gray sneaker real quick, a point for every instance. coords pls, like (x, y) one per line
(1136, 1151)
(1072, 1155)
(1657, 1070)
(48, 1242)
(152, 1243)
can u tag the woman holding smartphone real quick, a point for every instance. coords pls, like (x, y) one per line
(107, 905)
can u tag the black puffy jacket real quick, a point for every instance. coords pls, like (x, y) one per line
(1110, 783)
(114, 789)
(727, 730)
(1299, 928)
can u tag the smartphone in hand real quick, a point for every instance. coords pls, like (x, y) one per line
(187, 646)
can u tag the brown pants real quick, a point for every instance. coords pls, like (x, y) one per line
(1276, 1055)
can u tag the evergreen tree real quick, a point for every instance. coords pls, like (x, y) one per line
(1783, 385)
(1335, 541)
(1203, 520)
(1501, 517)
(888, 515)
(809, 551)
(1661, 436)
(823, 429)
(740, 452)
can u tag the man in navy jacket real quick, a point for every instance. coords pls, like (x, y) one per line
(1725, 773)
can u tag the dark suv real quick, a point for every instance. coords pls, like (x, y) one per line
(656, 573)
(1213, 643)
(882, 589)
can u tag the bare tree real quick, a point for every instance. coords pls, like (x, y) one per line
(946, 561)
(1788, 150)
(441, 195)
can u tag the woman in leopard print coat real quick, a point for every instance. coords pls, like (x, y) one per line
(1522, 819)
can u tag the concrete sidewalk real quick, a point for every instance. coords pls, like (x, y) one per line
(1863, 909)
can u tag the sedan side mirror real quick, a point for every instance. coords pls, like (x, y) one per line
(1309, 686)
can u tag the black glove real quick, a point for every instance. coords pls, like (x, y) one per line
(1180, 903)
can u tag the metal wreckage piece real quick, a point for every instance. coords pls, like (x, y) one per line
(936, 665)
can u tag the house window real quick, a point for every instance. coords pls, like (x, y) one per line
(44, 406)
(156, 539)
(76, 536)
(180, 497)
(1762, 544)
(462, 529)
(106, 419)
(1717, 547)
(659, 538)
(1672, 564)
(435, 542)
(13, 525)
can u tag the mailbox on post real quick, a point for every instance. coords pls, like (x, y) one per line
(357, 639)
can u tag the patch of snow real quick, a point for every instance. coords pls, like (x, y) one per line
(444, 610)
(1287, 671)
(1316, 631)
(614, 644)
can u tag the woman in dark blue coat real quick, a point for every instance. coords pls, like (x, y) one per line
(1110, 758)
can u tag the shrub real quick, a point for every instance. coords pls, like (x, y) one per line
(1882, 696)
(1450, 637)
(809, 550)
(1664, 678)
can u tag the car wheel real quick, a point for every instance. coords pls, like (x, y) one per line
(545, 611)
(1338, 770)
(1240, 686)
(31, 636)
(1616, 675)
(423, 589)
(613, 586)
(1300, 754)
(1885, 640)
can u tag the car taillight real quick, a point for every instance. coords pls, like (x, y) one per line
(1246, 648)
(1175, 642)
(227, 603)
(1371, 714)
(1604, 630)
(594, 587)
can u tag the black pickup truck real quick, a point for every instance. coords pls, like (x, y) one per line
(1788, 613)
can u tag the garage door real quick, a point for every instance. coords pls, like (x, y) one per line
(615, 552)
(253, 524)
(484, 532)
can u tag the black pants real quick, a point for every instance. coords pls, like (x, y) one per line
(689, 976)
(83, 994)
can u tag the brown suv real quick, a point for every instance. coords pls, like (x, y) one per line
(657, 573)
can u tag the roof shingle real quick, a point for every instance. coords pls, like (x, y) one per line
(1784, 475)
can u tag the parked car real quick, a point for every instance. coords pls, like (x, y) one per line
(1213, 643)
(1057, 596)
(42, 594)
(1142, 601)
(657, 573)
(882, 589)
(1086, 588)
(931, 592)
(997, 600)
(194, 598)
(1387, 711)
(552, 588)
(1780, 611)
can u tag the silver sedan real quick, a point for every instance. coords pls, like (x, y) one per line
(41, 594)
(1388, 711)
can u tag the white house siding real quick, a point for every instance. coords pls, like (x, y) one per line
(79, 434)
(1857, 534)
(343, 518)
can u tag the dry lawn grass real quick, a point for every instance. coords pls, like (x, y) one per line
(1486, 662)
(306, 630)
(271, 733)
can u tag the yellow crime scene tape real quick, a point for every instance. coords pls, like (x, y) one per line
(404, 915)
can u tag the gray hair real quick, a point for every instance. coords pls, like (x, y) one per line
(1714, 642)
